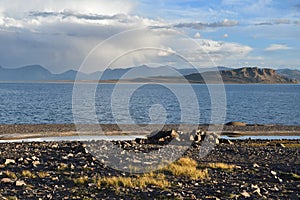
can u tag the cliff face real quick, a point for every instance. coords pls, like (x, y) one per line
(244, 75)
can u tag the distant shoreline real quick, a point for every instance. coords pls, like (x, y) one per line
(149, 82)
(25, 131)
(163, 74)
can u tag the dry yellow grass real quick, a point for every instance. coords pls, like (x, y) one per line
(43, 174)
(188, 162)
(81, 180)
(115, 181)
(222, 166)
(28, 174)
(140, 181)
(11, 198)
(186, 167)
(296, 176)
(158, 179)
(10, 174)
(292, 145)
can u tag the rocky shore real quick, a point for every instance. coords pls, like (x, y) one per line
(241, 169)
(46, 128)
(22, 131)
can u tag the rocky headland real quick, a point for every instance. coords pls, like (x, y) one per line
(241, 76)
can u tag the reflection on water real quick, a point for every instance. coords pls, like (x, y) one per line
(77, 138)
(263, 137)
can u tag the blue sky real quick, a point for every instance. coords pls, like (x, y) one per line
(60, 34)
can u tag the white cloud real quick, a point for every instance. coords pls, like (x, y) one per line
(277, 47)
(19, 8)
(168, 51)
(210, 52)
(197, 35)
(225, 48)
(59, 35)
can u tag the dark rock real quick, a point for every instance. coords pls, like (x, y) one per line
(280, 145)
(162, 136)
(139, 140)
(225, 141)
(199, 136)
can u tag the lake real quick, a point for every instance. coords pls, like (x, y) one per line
(51, 103)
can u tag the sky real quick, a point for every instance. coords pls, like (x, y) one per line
(69, 34)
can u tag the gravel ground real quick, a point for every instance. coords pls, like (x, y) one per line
(265, 170)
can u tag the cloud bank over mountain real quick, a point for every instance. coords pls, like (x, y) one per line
(61, 34)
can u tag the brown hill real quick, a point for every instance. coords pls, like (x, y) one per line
(241, 75)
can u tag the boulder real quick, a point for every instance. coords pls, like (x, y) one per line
(198, 136)
(162, 136)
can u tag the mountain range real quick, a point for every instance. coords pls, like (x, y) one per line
(39, 73)
(145, 73)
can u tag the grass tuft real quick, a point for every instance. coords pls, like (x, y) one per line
(10, 174)
(43, 174)
(158, 180)
(186, 167)
(28, 174)
(140, 181)
(11, 198)
(221, 166)
(188, 162)
(115, 181)
(81, 180)
(296, 176)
